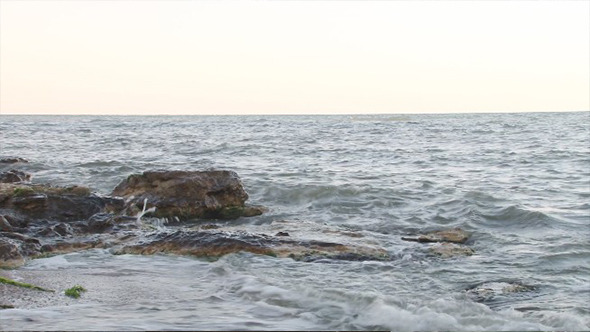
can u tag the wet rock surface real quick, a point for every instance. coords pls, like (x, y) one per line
(13, 160)
(36, 202)
(15, 248)
(445, 243)
(495, 293)
(218, 242)
(456, 235)
(186, 195)
(13, 175)
(37, 220)
(447, 250)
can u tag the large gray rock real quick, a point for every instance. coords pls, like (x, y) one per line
(186, 195)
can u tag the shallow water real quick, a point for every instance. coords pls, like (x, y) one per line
(520, 183)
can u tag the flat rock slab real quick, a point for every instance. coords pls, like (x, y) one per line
(214, 242)
(456, 235)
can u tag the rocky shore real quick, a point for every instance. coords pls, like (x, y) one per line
(37, 220)
(182, 213)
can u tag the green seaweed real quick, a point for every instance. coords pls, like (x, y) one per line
(77, 190)
(22, 191)
(231, 212)
(271, 254)
(6, 306)
(22, 284)
(75, 291)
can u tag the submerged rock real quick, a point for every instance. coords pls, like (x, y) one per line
(13, 175)
(447, 250)
(497, 291)
(456, 235)
(13, 160)
(187, 195)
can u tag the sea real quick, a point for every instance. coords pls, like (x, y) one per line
(519, 183)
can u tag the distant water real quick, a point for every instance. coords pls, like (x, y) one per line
(520, 183)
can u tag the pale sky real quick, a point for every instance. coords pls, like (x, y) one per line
(293, 57)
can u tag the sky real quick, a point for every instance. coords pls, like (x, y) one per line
(293, 57)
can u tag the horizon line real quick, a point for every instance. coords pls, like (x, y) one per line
(286, 114)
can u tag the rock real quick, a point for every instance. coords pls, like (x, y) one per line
(5, 226)
(345, 233)
(13, 160)
(52, 203)
(209, 226)
(10, 254)
(10, 223)
(13, 175)
(187, 195)
(15, 248)
(72, 218)
(456, 235)
(108, 223)
(67, 246)
(62, 229)
(99, 222)
(447, 250)
(234, 212)
(200, 244)
(494, 291)
(213, 244)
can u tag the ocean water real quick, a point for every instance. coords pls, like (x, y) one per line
(519, 183)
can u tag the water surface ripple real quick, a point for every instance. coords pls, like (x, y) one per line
(520, 183)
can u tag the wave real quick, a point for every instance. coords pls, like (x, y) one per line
(516, 216)
(100, 163)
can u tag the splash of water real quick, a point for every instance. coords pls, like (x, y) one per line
(143, 212)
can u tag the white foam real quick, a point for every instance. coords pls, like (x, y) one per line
(55, 262)
(144, 211)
